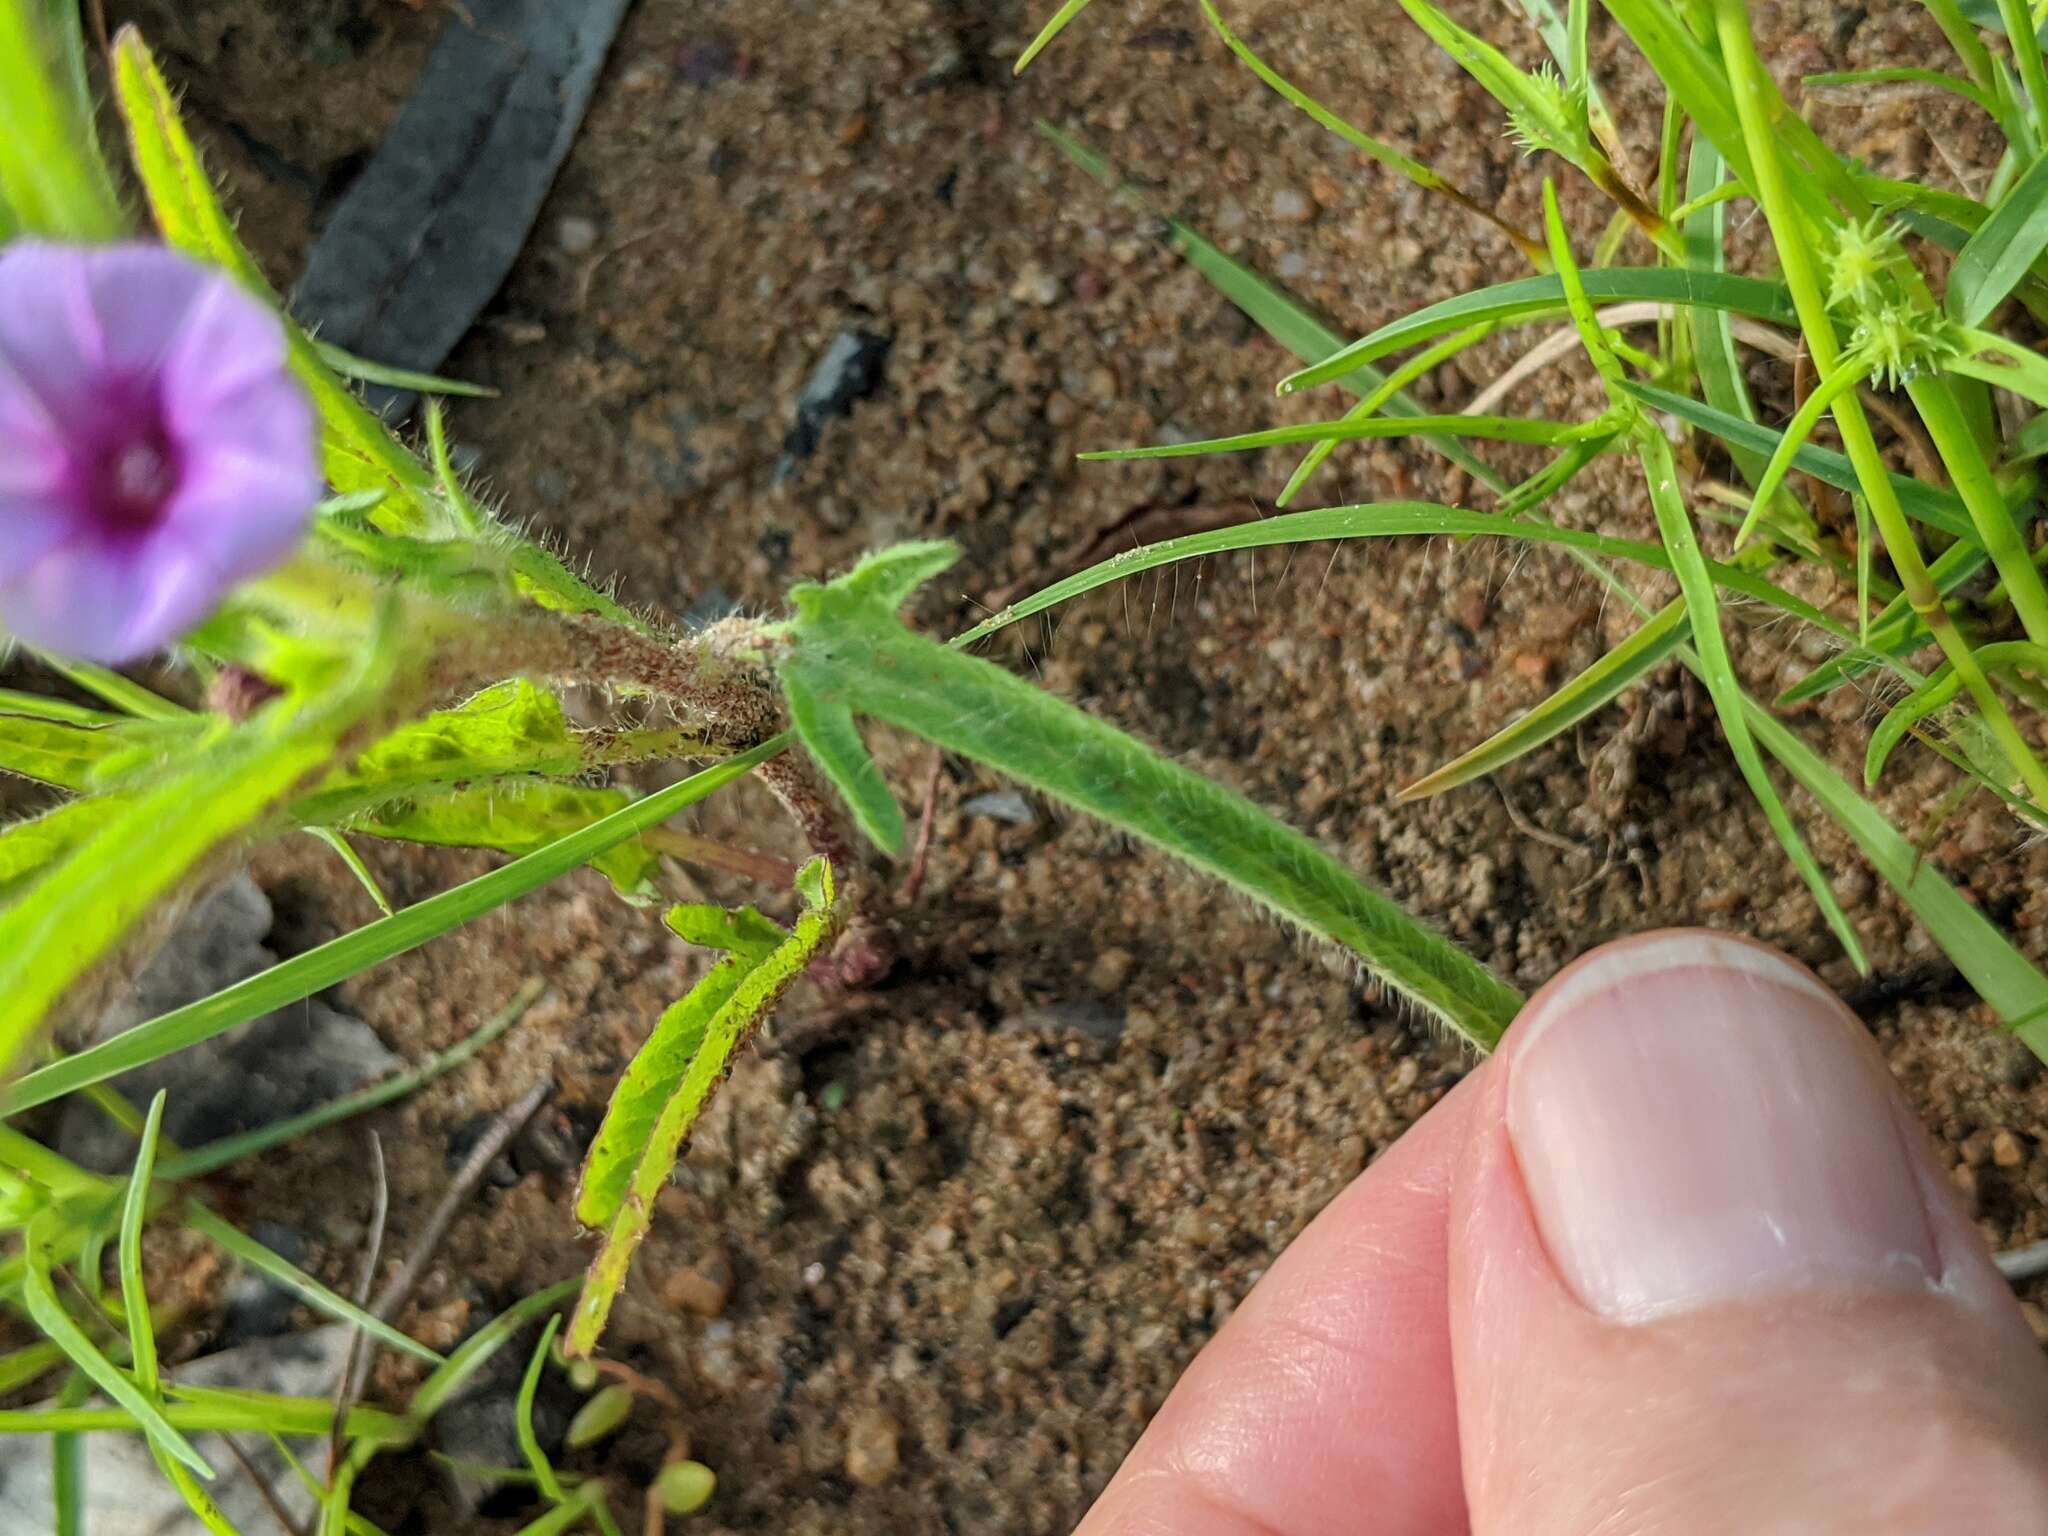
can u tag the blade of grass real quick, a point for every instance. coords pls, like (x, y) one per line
(1273, 311)
(290, 1277)
(1048, 32)
(1529, 298)
(349, 366)
(1492, 429)
(216, 1155)
(1585, 695)
(522, 1416)
(352, 953)
(1374, 149)
(1689, 565)
(39, 1297)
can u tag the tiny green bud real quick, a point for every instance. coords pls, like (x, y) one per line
(19, 1200)
(583, 1375)
(684, 1487)
(600, 1416)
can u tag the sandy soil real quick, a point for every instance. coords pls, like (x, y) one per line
(977, 1220)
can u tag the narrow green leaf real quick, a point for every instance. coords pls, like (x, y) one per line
(349, 366)
(1531, 298)
(52, 179)
(352, 953)
(1591, 691)
(1493, 429)
(856, 651)
(519, 819)
(215, 1155)
(353, 863)
(284, 1273)
(522, 1416)
(1391, 519)
(36, 707)
(1375, 149)
(2003, 977)
(1272, 310)
(1937, 692)
(1845, 378)
(1955, 85)
(53, 753)
(134, 1210)
(1048, 32)
(826, 728)
(2000, 253)
(1921, 502)
(39, 1298)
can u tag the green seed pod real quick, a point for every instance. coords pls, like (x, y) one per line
(600, 1416)
(684, 1487)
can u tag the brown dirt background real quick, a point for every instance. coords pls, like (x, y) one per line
(987, 1212)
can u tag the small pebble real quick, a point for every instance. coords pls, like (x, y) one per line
(704, 1287)
(2006, 1150)
(873, 1452)
(1533, 665)
(576, 236)
(1291, 207)
(1112, 968)
(1035, 285)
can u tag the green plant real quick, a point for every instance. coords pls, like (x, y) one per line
(399, 675)
(1851, 289)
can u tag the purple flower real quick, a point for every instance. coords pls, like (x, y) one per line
(154, 450)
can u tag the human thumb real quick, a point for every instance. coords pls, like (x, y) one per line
(1705, 1274)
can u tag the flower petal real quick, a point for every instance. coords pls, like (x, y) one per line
(48, 331)
(143, 300)
(249, 483)
(229, 341)
(108, 602)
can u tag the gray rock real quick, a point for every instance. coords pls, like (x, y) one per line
(425, 236)
(125, 1495)
(850, 370)
(1003, 805)
(270, 1068)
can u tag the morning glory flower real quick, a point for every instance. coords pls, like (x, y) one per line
(154, 450)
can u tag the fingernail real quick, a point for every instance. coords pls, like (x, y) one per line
(1698, 1120)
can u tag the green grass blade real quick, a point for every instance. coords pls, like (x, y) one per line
(1492, 429)
(126, 695)
(1718, 673)
(290, 1277)
(1845, 378)
(349, 366)
(1273, 311)
(1937, 692)
(447, 1380)
(843, 644)
(2003, 977)
(353, 863)
(1955, 85)
(522, 1416)
(2002, 250)
(1374, 149)
(134, 1210)
(1696, 582)
(1391, 519)
(1921, 502)
(338, 959)
(39, 1298)
(1897, 631)
(52, 179)
(1531, 298)
(1048, 32)
(1585, 695)
(216, 1155)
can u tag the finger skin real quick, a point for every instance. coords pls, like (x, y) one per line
(1809, 1412)
(1324, 1405)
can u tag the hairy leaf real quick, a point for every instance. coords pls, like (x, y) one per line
(850, 652)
